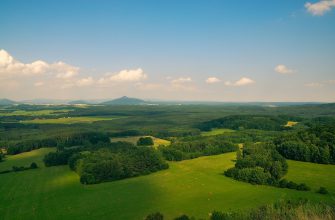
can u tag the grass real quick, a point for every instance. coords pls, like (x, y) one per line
(195, 187)
(34, 113)
(134, 139)
(216, 131)
(314, 175)
(291, 123)
(69, 120)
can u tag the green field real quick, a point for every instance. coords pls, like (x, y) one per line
(34, 113)
(69, 120)
(314, 175)
(216, 131)
(195, 187)
(134, 139)
(291, 123)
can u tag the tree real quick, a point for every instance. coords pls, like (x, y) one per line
(322, 190)
(145, 141)
(155, 216)
(182, 217)
(33, 165)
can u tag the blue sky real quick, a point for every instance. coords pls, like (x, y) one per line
(174, 49)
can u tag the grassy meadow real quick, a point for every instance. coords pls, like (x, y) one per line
(68, 120)
(134, 139)
(216, 131)
(195, 187)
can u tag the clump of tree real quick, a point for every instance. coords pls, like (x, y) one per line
(109, 164)
(59, 157)
(33, 165)
(284, 209)
(283, 183)
(145, 141)
(2, 156)
(322, 190)
(61, 142)
(316, 144)
(193, 148)
(155, 216)
(291, 210)
(241, 122)
(261, 164)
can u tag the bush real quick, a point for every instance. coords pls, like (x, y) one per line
(33, 165)
(322, 190)
(145, 141)
(155, 216)
(215, 215)
(303, 187)
(87, 178)
(182, 217)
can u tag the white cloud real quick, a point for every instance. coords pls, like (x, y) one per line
(11, 67)
(88, 81)
(181, 80)
(129, 75)
(38, 84)
(282, 69)
(320, 8)
(241, 82)
(211, 80)
(314, 84)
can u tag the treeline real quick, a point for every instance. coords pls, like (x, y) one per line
(33, 165)
(2, 156)
(70, 140)
(316, 144)
(241, 122)
(288, 210)
(205, 146)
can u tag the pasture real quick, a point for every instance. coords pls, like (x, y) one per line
(68, 120)
(35, 113)
(195, 187)
(291, 123)
(217, 131)
(134, 139)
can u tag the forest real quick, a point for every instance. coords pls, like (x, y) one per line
(260, 146)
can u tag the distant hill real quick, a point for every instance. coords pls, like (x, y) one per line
(79, 102)
(125, 101)
(7, 102)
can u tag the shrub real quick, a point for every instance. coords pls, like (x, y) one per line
(323, 190)
(155, 216)
(182, 217)
(145, 141)
(33, 165)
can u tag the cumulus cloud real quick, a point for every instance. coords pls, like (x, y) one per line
(85, 81)
(181, 80)
(129, 75)
(320, 8)
(241, 82)
(212, 80)
(314, 84)
(282, 69)
(12, 67)
(38, 84)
